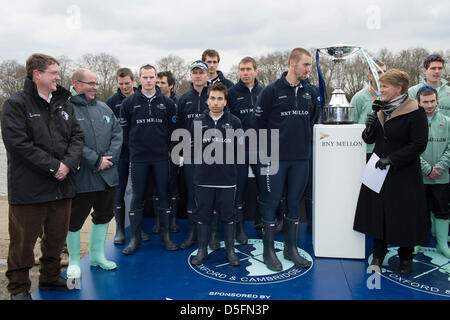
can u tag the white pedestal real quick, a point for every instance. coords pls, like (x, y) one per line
(339, 156)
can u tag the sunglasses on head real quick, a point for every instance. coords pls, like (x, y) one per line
(426, 87)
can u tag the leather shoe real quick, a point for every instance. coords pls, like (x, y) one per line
(405, 267)
(58, 285)
(376, 264)
(21, 296)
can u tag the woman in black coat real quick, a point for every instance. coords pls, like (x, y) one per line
(397, 215)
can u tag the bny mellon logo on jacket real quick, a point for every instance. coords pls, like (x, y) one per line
(148, 120)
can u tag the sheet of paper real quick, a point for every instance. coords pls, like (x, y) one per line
(372, 177)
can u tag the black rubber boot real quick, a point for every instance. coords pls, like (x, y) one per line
(258, 223)
(119, 215)
(192, 233)
(173, 215)
(164, 233)
(155, 228)
(290, 251)
(203, 237)
(241, 237)
(281, 212)
(135, 227)
(214, 243)
(308, 211)
(229, 230)
(269, 256)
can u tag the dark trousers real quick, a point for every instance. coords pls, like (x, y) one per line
(292, 175)
(437, 200)
(173, 177)
(188, 173)
(124, 170)
(26, 222)
(101, 201)
(242, 179)
(209, 199)
(380, 250)
(139, 180)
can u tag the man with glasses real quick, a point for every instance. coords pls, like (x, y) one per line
(362, 101)
(433, 68)
(98, 176)
(148, 118)
(44, 145)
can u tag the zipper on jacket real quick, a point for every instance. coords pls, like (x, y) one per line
(149, 103)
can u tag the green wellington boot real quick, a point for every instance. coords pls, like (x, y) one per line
(97, 247)
(441, 226)
(74, 269)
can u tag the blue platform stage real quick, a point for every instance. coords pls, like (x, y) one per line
(156, 274)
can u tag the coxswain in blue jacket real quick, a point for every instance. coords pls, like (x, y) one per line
(215, 172)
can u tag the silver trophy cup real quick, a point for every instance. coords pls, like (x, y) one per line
(338, 110)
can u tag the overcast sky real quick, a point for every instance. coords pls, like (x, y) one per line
(139, 32)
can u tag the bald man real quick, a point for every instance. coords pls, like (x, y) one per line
(98, 175)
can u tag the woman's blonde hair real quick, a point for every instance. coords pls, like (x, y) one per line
(396, 78)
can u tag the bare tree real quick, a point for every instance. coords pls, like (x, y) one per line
(272, 66)
(411, 61)
(12, 77)
(179, 68)
(66, 68)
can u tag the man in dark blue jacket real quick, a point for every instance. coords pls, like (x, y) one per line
(191, 105)
(166, 82)
(148, 119)
(242, 98)
(211, 58)
(125, 81)
(215, 172)
(290, 106)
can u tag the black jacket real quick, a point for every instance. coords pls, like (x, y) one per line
(216, 174)
(398, 214)
(292, 110)
(115, 102)
(190, 106)
(221, 78)
(147, 125)
(241, 102)
(174, 98)
(38, 136)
